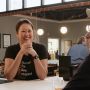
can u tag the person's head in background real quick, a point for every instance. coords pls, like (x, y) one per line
(87, 35)
(82, 40)
(24, 31)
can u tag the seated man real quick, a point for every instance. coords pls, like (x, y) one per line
(79, 51)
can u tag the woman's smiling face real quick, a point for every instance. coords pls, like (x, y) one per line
(25, 33)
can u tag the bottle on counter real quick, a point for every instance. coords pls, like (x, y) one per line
(52, 55)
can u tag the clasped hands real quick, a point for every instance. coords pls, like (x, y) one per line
(27, 48)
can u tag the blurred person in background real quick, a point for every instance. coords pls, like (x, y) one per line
(87, 35)
(79, 51)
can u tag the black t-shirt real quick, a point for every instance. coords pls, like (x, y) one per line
(26, 69)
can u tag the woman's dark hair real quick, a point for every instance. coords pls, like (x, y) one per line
(22, 21)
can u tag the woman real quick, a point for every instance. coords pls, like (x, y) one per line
(26, 60)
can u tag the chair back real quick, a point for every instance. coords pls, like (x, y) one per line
(65, 69)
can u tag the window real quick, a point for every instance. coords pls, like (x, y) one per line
(2, 5)
(53, 48)
(69, 0)
(32, 3)
(53, 44)
(47, 2)
(15, 4)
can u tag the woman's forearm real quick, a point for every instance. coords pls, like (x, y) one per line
(41, 68)
(12, 69)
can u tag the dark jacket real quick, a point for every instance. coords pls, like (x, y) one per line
(81, 79)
